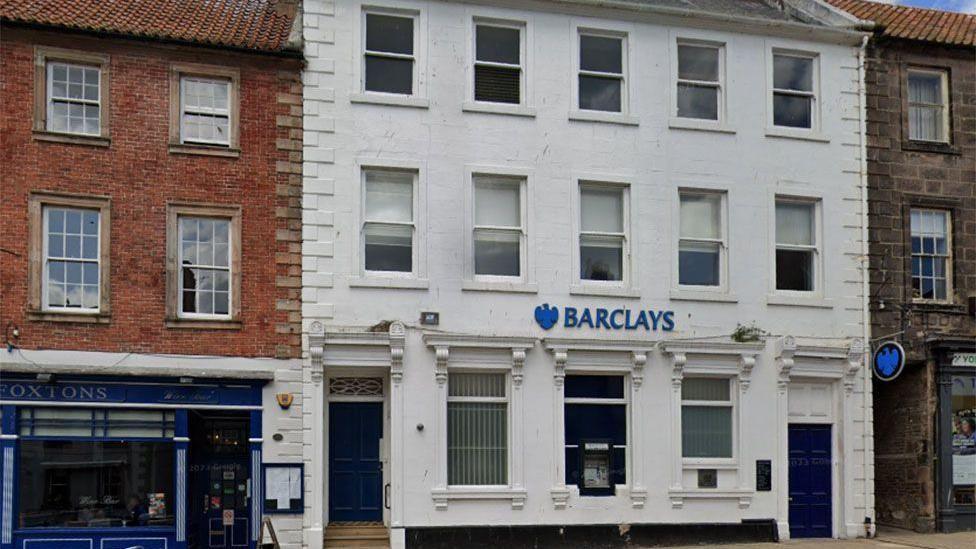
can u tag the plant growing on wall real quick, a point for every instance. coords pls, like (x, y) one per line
(748, 333)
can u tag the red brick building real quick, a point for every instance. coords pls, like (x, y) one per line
(921, 125)
(151, 220)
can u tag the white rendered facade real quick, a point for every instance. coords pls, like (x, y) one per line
(358, 323)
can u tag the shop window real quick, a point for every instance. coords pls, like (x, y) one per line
(389, 55)
(794, 90)
(701, 248)
(603, 233)
(706, 418)
(499, 233)
(601, 72)
(477, 430)
(931, 254)
(88, 422)
(596, 432)
(388, 221)
(699, 92)
(498, 63)
(928, 105)
(964, 440)
(797, 248)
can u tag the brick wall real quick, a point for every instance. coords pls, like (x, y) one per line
(140, 175)
(902, 176)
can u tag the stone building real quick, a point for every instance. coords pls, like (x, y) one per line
(921, 122)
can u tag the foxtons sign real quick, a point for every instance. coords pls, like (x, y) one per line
(547, 316)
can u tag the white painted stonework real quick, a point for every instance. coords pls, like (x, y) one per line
(809, 366)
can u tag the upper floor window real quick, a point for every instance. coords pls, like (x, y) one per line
(797, 248)
(498, 63)
(71, 95)
(477, 429)
(499, 233)
(388, 220)
(603, 233)
(706, 418)
(928, 105)
(699, 92)
(931, 254)
(601, 72)
(205, 266)
(390, 53)
(794, 90)
(204, 110)
(701, 248)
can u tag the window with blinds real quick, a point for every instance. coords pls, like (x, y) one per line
(702, 243)
(796, 245)
(498, 226)
(477, 430)
(388, 220)
(95, 423)
(498, 63)
(706, 418)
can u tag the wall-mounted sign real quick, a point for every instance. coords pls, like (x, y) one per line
(888, 361)
(547, 316)
(764, 475)
(964, 359)
(13, 389)
(284, 488)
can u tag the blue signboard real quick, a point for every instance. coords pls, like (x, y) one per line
(888, 361)
(547, 316)
(84, 391)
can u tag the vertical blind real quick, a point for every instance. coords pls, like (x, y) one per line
(477, 430)
(706, 418)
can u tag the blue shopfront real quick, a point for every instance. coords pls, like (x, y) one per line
(122, 463)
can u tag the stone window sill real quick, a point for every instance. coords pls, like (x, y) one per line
(493, 286)
(683, 294)
(604, 291)
(604, 117)
(81, 318)
(390, 283)
(203, 324)
(796, 133)
(71, 139)
(699, 125)
(816, 302)
(930, 147)
(498, 108)
(203, 150)
(943, 307)
(390, 99)
(442, 496)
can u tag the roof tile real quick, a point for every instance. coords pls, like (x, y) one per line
(957, 29)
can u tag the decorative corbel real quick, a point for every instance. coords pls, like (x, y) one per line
(398, 334)
(678, 361)
(747, 361)
(640, 360)
(441, 353)
(855, 356)
(785, 350)
(518, 362)
(561, 356)
(315, 353)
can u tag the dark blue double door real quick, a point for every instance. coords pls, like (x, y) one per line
(810, 481)
(355, 468)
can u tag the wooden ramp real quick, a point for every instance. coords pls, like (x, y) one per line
(357, 535)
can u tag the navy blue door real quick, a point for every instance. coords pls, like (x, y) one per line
(810, 481)
(355, 470)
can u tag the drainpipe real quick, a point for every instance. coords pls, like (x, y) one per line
(867, 405)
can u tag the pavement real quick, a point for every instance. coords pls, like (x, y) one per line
(889, 538)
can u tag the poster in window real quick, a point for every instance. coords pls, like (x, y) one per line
(283, 488)
(964, 439)
(157, 505)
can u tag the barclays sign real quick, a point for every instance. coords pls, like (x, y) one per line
(547, 316)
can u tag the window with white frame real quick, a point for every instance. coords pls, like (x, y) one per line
(931, 257)
(595, 410)
(701, 248)
(477, 429)
(928, 105)
(205, 266)
(205, 110)
(601, 72)
(388, 220)
(794, 91)
(699, 93)
(499, 233)
(706, 417)
(797, 252)
(603, 232)
(389, 55)
(498, 63)
(72, 258)
(73, 104)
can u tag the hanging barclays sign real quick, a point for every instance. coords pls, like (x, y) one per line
(547, 316)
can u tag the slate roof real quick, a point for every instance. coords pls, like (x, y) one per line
(252, 24)
(741, 8)
(944, 27)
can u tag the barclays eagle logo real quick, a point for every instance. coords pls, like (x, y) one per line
(888, 361)
(546, 316)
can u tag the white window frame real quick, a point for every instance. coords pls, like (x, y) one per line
(227, 112)
(607, 30)
(723, 241)
(508, 427)
(948, 255)
(230, 268)
(406, 280)
(526, 281)
(732, 404)
(418, 87)
(818, 258)
(944, 106)
(719, 84)
(520, 26)
(814, 131)
(45, 304)
(624, 287)
(50, 99)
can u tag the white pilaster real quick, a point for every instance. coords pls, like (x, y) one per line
(559, 491)
(397, 341)
(638, 492)
(316, 466)
(785, 349)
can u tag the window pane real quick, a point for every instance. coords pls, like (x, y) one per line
(601, 54)
(699, 264)
(792, 73)
(925, 88)
(497, 254)
(389, 75)
(699, 102)
(84, 484)
(594, 386)
(477, 443)
(925, 123)
(704, 388)
(794, 270)
(601, 258)
(61, 421)
(601, 210)
(792, 111)
(701, 216)
(497, 202)
(795, 223)
(389, 33)
(476, 385)
(706, 432)
(697, 63)
(135, 423)
(388, 248)
(389, 196)
(599, 94)
(596, 422)
(497, 84)
(498, 44)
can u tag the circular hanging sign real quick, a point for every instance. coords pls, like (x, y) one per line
(888, 361)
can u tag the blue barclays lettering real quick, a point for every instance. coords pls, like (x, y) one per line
(570, 321)
(586, 318)
(606, 319)
(615, 324)
(668, 321)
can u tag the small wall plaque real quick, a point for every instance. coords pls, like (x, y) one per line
(764, 475)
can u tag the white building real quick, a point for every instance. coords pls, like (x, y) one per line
(597, 201)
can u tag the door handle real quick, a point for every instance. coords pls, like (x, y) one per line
(386, 496)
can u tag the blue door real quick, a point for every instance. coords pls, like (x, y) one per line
(810, 481)
(355, 470)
